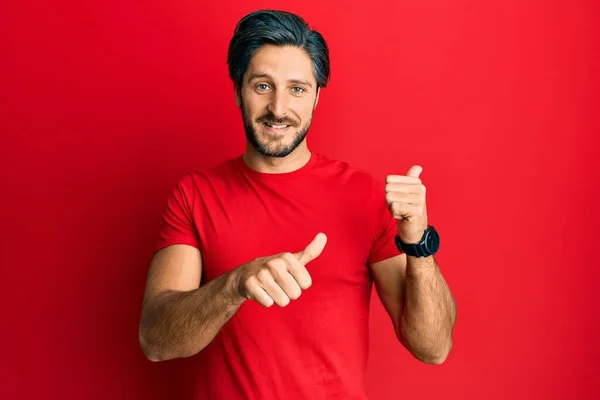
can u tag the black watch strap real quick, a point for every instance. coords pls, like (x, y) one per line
(410, 249)
(428, 244)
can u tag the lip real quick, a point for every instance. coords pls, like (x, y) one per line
(276, 130)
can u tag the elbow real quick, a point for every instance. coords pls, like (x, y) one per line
(434, 355)
(437, 357)
(146, 347)
(149, 350)
(156, 350)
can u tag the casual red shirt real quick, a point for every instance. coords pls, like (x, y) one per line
(317, 346)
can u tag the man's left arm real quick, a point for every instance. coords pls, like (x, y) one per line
(413, 290)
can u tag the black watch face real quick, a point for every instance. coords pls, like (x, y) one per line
(432, 242)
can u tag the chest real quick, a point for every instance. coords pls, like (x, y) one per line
(239, 224)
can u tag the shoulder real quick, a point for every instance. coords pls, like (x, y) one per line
(201, 176)
(347, 174)
(197, 184)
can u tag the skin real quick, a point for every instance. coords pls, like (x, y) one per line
(279, 86)
(424, 317)
(179, 318)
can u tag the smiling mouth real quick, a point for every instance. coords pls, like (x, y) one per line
(276, 126)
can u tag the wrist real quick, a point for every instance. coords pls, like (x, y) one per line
(410, 239)
(414, 237)
(420, 264)
(232, 287)
(427, 245)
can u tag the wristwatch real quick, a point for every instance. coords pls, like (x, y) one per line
(427, 246)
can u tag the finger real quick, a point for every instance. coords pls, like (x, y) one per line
(298, 271)
(279, 268)
(405, 187)
(313, 250)
(414, 171)
(400, 210)
(267, 282)
(409, 198)
(256, 292)
(402, 179)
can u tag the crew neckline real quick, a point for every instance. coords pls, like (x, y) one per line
(278, 176)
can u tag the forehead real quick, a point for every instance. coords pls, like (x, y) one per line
(282, 63)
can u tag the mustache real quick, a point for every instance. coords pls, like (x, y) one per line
(270, 118)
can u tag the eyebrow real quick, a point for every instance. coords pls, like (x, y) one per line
(296, 81)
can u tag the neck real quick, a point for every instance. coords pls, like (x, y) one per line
(275, 165)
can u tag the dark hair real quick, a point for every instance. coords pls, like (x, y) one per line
(279, 28)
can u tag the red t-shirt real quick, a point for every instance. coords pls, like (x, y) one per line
(317, 346)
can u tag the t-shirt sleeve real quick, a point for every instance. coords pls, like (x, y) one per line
(177, 222)
(386, 228)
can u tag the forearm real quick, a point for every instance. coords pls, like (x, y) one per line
(181, 324)
(429, 311)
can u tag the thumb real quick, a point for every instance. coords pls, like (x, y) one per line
(414, 171)
(313, 250)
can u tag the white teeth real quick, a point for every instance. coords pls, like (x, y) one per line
(275, 126)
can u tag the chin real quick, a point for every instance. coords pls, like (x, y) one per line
(275, 148)
(274, 151)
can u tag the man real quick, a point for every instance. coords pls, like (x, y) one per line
(266, 261)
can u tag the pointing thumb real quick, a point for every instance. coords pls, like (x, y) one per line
(414, 171)
(313, 250)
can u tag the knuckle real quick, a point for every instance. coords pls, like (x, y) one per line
(271, 263)
(249, 287)
(249, 281)
(275, 264)
(263, 275)
(288, 259)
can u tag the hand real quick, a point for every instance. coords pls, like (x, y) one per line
(405, 196)
(279, 278)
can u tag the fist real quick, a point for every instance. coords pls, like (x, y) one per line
(280, 278)
(405, 197)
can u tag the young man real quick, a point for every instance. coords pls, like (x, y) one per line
(266, 262)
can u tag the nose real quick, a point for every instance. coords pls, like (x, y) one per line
(278, 104)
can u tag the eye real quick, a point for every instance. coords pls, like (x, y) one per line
(297, 89)
(262, 87)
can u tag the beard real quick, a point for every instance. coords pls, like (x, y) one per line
(270, 145)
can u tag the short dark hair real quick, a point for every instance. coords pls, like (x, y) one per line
(279, 28)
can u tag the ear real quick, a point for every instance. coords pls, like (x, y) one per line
(317, 98)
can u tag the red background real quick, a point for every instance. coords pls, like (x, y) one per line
(104, 105)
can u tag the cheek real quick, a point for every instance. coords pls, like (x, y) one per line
(251, 111)
(306, 112)
(253, 104)
(302, 107)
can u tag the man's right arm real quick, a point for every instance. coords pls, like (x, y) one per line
(179, 318)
